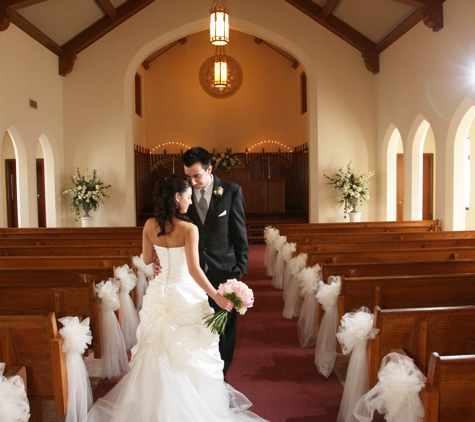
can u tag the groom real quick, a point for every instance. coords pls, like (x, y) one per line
(218, 212)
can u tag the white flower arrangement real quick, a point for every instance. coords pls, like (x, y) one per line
(86, 190)
(352, 187)
(224, 160)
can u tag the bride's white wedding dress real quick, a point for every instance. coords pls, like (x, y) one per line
(176, 370)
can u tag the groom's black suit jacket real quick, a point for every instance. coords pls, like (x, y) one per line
(223, 245)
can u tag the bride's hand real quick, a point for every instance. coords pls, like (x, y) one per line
(224, 303)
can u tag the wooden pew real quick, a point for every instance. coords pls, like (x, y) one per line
(420, 254)
(449, 391)
(351, 244)
(32, 275)
(421, 225)
(75, 250)
(409, 291)
(365, 236)
(19, 371)
(69, 241)
(419, 332)
(64, 299)
(371, 269)
(64, 261)
(33, 341)
(72, 231)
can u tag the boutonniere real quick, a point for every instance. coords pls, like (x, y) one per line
(218, 191)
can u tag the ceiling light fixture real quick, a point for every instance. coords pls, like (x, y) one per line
(220, 68)
(219, 23)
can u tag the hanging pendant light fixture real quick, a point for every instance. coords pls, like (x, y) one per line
(219, 23)
(220, 68)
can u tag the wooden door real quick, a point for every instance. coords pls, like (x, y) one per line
(10, 181)
(40, 190)
(427, 187)
(400, 188)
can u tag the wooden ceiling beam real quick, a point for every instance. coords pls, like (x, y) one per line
(20, 22)
(417, 3)
(399, 31)
(8, 7)
(96, 31)
(19, 4)
(107, 8)
(432, 10)
(342, 30)
(329, 8)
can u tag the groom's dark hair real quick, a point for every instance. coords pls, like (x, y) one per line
(196, 155)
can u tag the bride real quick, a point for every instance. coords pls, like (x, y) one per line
(176, 373)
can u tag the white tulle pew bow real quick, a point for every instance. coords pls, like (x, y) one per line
(307, 324)
(76, 336)
(287, 254)
(355, 330)
(129, 316)
(14, 406)
(270, 234)
(278, 275)
(292, 299)
(325, 350)
(396, 394)
(114, 360)
(144, 274)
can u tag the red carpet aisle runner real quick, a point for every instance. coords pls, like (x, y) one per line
(269, 366)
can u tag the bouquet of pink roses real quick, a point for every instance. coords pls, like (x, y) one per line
(238, 293)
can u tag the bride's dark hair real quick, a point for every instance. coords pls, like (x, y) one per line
(166, 206)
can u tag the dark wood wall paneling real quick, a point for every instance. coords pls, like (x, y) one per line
(262, 194)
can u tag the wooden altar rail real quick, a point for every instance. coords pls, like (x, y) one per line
(419, 332)
(33, 341)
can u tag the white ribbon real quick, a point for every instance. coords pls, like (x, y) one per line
(144, 273)
(355, 330)
(325, 350)
(14, 405)
(307, 327)
(114, 360)
(270, 234)
(76, 337)
(396, 394)
(292, 299)
(129, 315)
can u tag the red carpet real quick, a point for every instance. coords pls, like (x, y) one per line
(269, 366)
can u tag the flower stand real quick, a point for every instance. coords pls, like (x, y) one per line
(355, 217)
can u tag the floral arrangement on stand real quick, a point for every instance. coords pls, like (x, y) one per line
(353, 189)
(224, 160)
(87, 192)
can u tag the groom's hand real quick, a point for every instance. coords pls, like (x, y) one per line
(157, 268)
